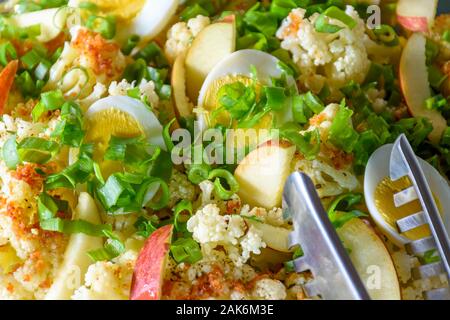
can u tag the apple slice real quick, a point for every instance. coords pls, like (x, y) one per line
(183, 107)
(415, 85)
(76, 261)
(274, 237)
(371, 259)
(148, 273)
(416, 15)
(210, 46)
(263, 172)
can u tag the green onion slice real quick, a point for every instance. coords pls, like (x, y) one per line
(220, 190)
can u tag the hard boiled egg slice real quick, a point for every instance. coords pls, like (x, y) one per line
(123, 116)
(145, 18)
(379, 193)
(120, 116)
(238, 67)
(153, 18)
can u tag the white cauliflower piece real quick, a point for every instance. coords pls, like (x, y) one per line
(252, 242)
(324, 58)
(207, 225)
(269, 289)
(146, 90)
(180, 188)
(108, 280)
(211, 229)
(181, 35)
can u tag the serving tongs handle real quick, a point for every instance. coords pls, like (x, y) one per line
(335, 277)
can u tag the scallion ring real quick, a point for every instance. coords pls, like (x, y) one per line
(198, 173)
(220, 190)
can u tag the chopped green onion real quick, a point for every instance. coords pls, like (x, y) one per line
(276, 98)
(338, 14)
(106, 26)
(7, 53)
(446, 35)
(387, 35)
(198, 173)
(333, 12)
(186, 250)
(162, 165)
(220, 190)
(10, 154)
(79, 172)
(192, 12)
(163, 198)
(445, 141)
(52, 100)
(74, 226)
(436, 77)
(182, 206)
(112, 248)
(431, 51)
(166, 135)
(342, 134)
(264, 22)
(47, 207)
(31, 59)
(131, 43)
(36, 150)
(134, 93)
(307, 143)
(430, 256)
(112, 190)
(42, 69)
(437, 102)
(87, 5)
(152, 53)
(313, 102)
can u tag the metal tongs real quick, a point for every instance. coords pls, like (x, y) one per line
(335, 277)
(403, 163)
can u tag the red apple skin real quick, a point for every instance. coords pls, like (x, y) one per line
(415, 24)
(149, 270)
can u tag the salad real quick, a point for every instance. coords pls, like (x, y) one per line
(145, 144)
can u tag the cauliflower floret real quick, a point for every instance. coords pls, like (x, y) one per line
(10, 289)
(146, 90)
(269, 289)
(273, 216)
(211, 229)
(108, 280)
(39, 253)
(324, 58)
(181, 35)
(180, 188)
(207, 225)
(252, 242)
(207, 189)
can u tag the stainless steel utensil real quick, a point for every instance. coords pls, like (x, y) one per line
(335, 277)
(404, 162)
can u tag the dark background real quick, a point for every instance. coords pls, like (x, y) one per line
(444, 6)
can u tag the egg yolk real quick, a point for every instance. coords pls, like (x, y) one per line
(211, 104)
(384, 201)
(122, 9)
(103, 125)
